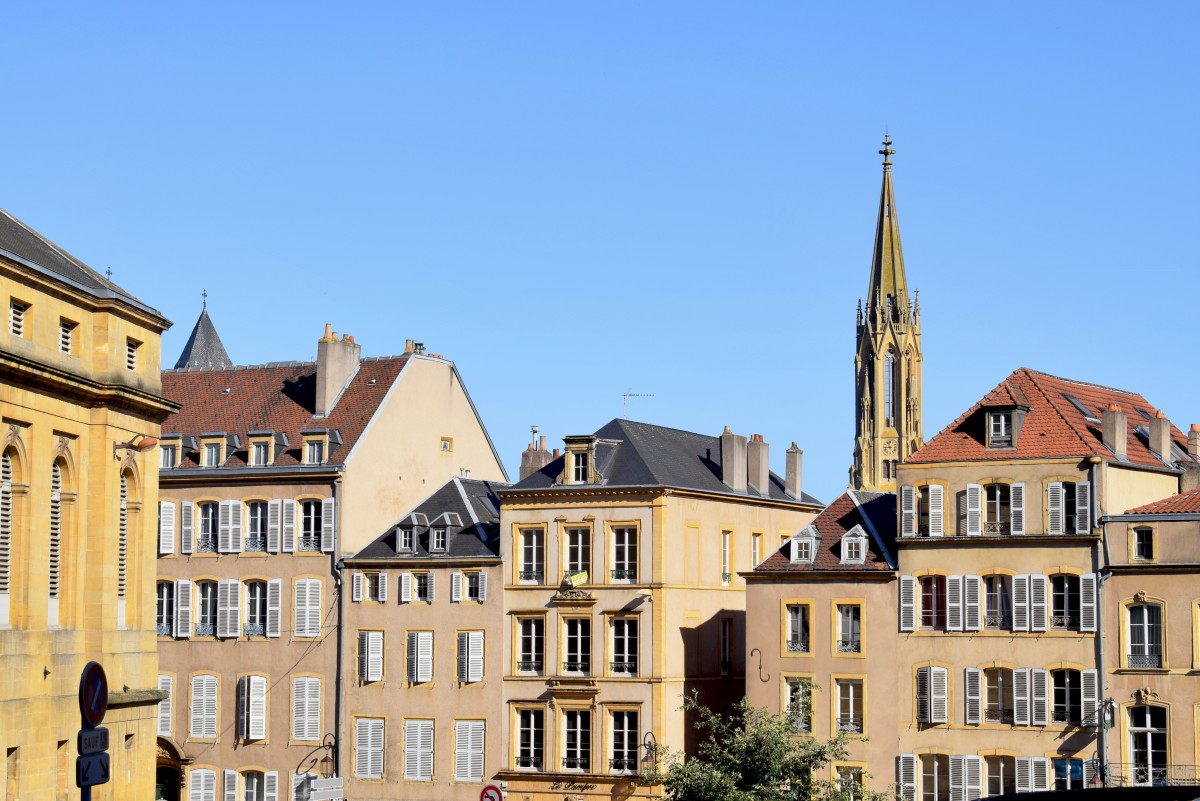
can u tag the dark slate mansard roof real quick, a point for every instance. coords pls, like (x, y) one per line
(631, 454)
(466, 507)
(874, 511)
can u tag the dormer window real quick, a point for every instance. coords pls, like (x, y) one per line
(212, 450)
(804, 546)
(314, 451)
(168, 452)
(437, 540)
(579, 468)
(404, 540)
(260, 453)
(854, 547)
(1000, 429)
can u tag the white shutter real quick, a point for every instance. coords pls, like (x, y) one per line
(405, 588)
(954, 603)
(412, 749)
(475, 656)
(908, 603)
(957, 778)
(425, 656)
(301, 786)
(1038, 608)
(427, 749)
(229, 611)
(243, 708)
(1020, 597)
(908, 511)
(937, 510)
(166, 527)
(455, 587)
(314, 607)
(271, 786)
(328, 525)
(357, 591)
(289, 525)
(972, 603)
(204, 707)
(482, 589)
(1087, 602)
(306, 708)
(183, 609)
(939, 695)
(258, 708)
(1054, 508)
(231, 786)
(1039, 697)
(1041, 773)
(1016, 515)
(375, 656)
(300, 608)
(973, 684)
(974, 778)
(906, 776)
(236, 532)
(202, 785)
(429, 583)
(223, 534)
(1089, 684)
(187, 526)
(165, 684)
(412, 661)
(1021, 696)
(362, 748)
(923, 695)
(274, 514)
(376, 744)
(468, 750)
(274, 604)
(1024, 774)
(974, 510)
(1088, 772)
(382, 587)
(1083, 507)
(463, 648)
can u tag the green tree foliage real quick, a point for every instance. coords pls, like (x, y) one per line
(751, 754)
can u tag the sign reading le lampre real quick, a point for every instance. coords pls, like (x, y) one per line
(92, 767)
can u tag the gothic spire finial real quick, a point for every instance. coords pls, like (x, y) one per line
(887, 151)
(204, 300)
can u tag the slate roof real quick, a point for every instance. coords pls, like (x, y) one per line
(1055, 426)
(631, 454)
(273, 397)
(203, 350)
(1182, 504)
(874, 511)
(27, 245)
(478, 509)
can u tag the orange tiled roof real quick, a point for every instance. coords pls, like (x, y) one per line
(834, 522)
(1181, 504)
(1054, 425)
(274, 397)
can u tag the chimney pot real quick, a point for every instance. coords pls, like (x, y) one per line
(542, 441)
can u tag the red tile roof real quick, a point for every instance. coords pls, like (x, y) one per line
(833, 523)
(1054, 426)
(274, 397)
(1183, 503)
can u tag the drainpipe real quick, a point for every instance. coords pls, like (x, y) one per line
(1102, 575)
(336, 566)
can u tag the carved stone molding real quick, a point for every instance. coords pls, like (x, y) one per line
(1140, 596)
(1144, 695)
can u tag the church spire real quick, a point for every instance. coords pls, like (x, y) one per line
(887, 364)
(204, 350)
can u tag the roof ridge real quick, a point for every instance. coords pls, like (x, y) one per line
(1057, 411)
(1082, 383)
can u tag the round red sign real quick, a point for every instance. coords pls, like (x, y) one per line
(93, 693)
(491, 793)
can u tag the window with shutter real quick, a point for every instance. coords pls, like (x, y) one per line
(328, 525)
(274, 603)
(1087, 602)
(420, 657)
(271, 786)
(455, 587)
(307, 612)
(1054, 508)
(274, 524)
(1038, 609)
(1039, 697)
(418, 750)
(1020, 600)
(229, 610)
(183, 609)
(973, 767)
(1021, 696)
(288, 524)
(357, 587)
(906, 776)
(187, 527)
(1017, 510)
(306, 708)
(166, 527)
(908, 511)
(370, 656)
(368, 748)
(937, 509)
(974, 510)
(202, 785)
(972, 603)
(166, 684)
(302, 786)
(1083, 508)
(204, 707)
(1090, 697)
(908, 603)
(468, 750)
(954, 603)
(230, 786)
(973, 684)
(405, 588)
(939, 695)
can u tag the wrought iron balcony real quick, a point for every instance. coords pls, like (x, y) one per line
(576, 763)
(529, 762)
(164, 629)
(254, 630)
(623, 574)
(993, 715)
(206, 543)
(850, 723)
(802, 722)
(627, 668)
(997, 622)
(623, 765)
(797, 646)
(1066, 716)
(530, 666)
(996, 529)
(534, 576)
(1127, 774)
(1064, 622)
(725, 577)
(255, 545)
(1145, 660)
(575, 667)
(205, 630)
(849, 646)
(308, 542)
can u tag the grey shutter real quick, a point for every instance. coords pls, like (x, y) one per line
(482, 586)
(1089, 684)
(923, 695)
(382, 587)
(463, 648)
(958, 779)
(165, 684)
(412, 658)
(1083, 507)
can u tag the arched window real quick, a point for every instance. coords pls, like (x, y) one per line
(889, 387)
(997, 509)
(1145, 636)
(1064, 602)
(999, 706)
(1148, 744)
(206, 540)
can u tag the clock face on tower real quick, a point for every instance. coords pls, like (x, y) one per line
(889, 449)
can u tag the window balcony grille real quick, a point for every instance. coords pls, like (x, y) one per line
(725, 577)
(997, 621)
(623, 765)
(1145, 660)
(1064, 622)
(308, 542)
(164, 629)
(996, 529)
(994, 715)
(802, 723)
(530, 763)
(205, 630)
(575, 667)
(534, 576)
(625, 668)
(797, 646)
(850, 723)
(530, 666)
(254, 630)
(206, 543)
(256, 545)
(1065, 716)
(1126, 774)
(849, 646)
(623, 574)
(575, 763)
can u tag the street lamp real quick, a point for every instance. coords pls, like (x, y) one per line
(138, 443)
(327, 765)
(650, 760)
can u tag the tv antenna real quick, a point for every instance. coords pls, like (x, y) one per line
(625, 401)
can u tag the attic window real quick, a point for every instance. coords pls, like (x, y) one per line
(314, 451)
(579, 468)
(804, 546)
(260, 453)
(437, 540)
(212, 453)
(1088, 414)
(404, 540)
(854, 547)
(447, 444)
(1000, 429)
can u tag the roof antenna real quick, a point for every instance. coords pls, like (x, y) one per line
(533, 441)
(625, 401)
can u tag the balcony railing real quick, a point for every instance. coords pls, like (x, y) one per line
(206, 543)
(623, 765)
(205, 630)
(576, 763)
(725, 577)
(255, 545)
(254, 630)
(996, 529)
(802, 723)
(308, 542)
(165, 629)
(529, 762)
(1126, 774)
(850, 723)
(797, 646)
(534, 576)
(1145, 660)
(625, 668)
(849, 646)
(530, 666)
(997, 622)
(1066, 716)
(575, 667)
(623, 574)
(993, 715)
(1064, 622)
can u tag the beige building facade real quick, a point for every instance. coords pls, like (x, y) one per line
(81, 402)
(622, 594)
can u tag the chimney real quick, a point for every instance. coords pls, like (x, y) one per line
(1160, 436)
(795, 461)
(337, 362)
(758, 464)
(534, 459)
(733, 460)
(1194, 441)
(1115, 429)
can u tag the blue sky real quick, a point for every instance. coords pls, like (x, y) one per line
(678, 199)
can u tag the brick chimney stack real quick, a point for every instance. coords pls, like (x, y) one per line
(534, 459)
(758, 464)
(795, 464)
(1115, 427)
(1194, 441)
(337, 362)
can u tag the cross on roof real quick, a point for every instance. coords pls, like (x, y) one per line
(887, 151)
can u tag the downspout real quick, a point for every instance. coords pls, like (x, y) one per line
(1102, 575)
(336, 569)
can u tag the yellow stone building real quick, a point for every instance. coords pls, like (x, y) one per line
(80, 403)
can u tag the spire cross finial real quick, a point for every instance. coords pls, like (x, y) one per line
(887, 151)
(204, 300)
(108, 273)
